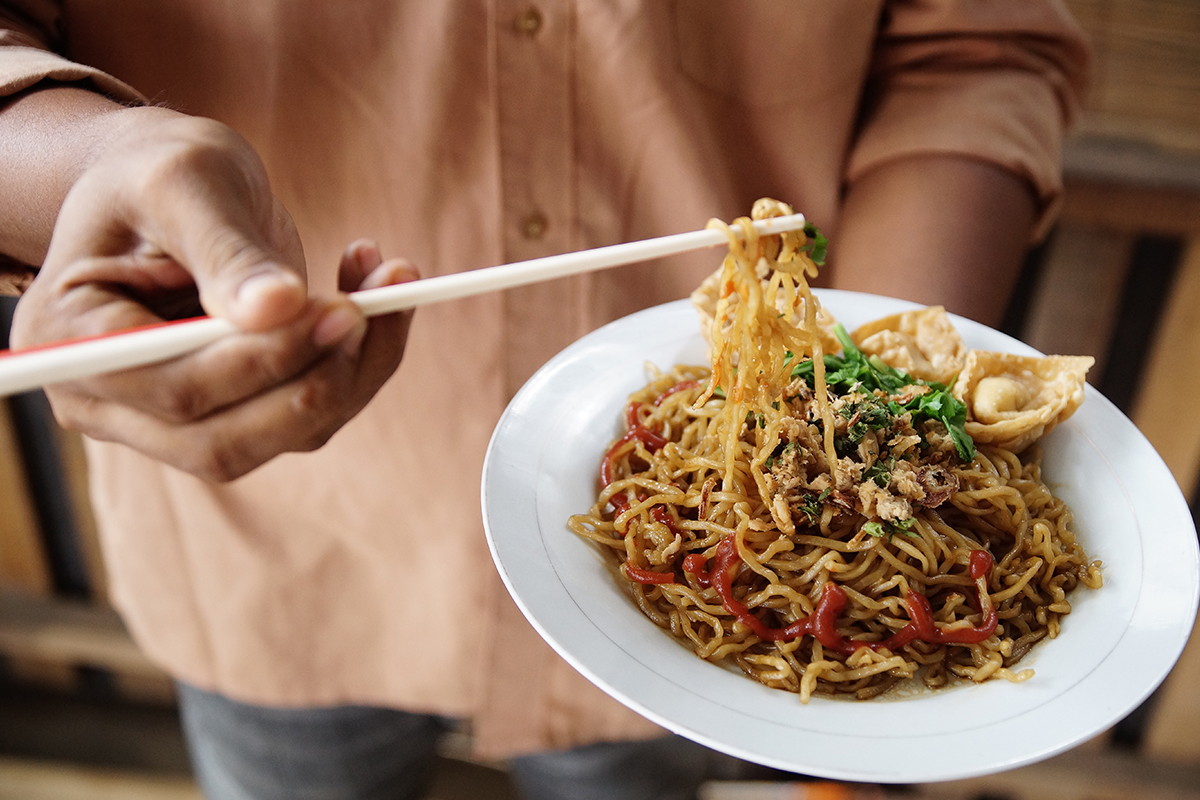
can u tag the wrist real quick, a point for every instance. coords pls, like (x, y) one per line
(49, 136)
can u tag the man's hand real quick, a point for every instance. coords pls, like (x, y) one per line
(174, 217)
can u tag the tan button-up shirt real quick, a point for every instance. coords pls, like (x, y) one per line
(464, 133)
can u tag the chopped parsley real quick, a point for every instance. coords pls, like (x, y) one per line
(873, 529)
(811, 505)
(868, 414)
(881, 471)
(780, 451)
(818, 244)
(890, 529)
(854, 370)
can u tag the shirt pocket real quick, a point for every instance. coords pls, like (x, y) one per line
(763, 53)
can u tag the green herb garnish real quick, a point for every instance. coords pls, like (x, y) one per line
(817, 244)
(854, 370)
(868, 414)
(881, 471)
(812, 506)
(890, 529)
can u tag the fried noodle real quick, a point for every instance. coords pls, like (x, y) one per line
(750, 514)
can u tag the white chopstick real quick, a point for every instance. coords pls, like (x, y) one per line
(71, 360)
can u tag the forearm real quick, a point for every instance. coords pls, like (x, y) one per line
(938, 230)
(48, 136)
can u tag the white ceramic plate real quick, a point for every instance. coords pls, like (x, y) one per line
(1116, 646)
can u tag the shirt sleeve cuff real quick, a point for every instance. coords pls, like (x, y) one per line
(24, 67)
(1012, 119)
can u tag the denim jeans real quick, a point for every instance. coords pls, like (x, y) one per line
(247, 752)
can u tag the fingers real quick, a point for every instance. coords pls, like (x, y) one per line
(232, 370)
(393, 271)
(230, 407)
(295, 416)
(358, 261)
(197, 194)
(239, 276)
(175, 214)
(383, 345)
(208, 204)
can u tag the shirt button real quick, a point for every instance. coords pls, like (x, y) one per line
(529, 21)
(534, 226)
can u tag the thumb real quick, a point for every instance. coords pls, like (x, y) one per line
(201, 196)
(264, 296)
(253, 277)
(193, 193)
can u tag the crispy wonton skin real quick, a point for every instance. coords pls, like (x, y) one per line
(1014, 400)
(922, 343)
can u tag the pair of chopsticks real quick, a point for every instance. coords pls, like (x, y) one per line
(23, 370)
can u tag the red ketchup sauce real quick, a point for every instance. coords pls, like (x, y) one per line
(652, 440)
(822, 623)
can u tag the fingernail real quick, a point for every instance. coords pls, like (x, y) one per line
(257, 287)
(388, 274)
(337, 325)
(368, 255)
(353, 341)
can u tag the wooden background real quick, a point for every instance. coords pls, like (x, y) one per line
(84, 715)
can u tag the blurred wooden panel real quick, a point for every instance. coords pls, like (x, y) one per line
(1122, 207)
(144, 688)
(72, 632)
(1172, 733)
(1122, 165)
(47, 780)
(1147, 82)
(24, 567)
(1076, 775)
(1167, 412)
(74, 464)
(1079, 291)
(23, 564)
(1168, 406)
(46, 674)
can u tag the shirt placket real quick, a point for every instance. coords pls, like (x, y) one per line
(533, 95)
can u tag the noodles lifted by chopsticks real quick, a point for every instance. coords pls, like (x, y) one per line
(824, 521)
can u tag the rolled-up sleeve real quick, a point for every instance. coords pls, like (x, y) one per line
(30, 36)
(996, 80)
(30, 33)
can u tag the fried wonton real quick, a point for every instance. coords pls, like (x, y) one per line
(1014, 400)
(922, 343)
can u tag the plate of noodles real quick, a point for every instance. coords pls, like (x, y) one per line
(923, 610)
